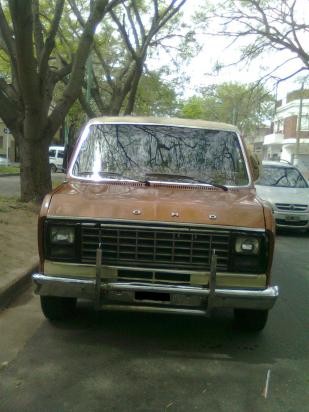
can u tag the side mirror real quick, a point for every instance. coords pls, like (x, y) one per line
(255, 166)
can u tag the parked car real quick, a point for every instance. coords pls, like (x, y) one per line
(4, 161)
(284, 187)
(157, 215)
(56, 154)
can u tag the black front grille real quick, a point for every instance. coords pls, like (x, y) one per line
(291, 207)
(154, 246)
(299, 223)
(154, 276)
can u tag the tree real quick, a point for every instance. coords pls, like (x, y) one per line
(245, 105)
(118, 61)
(46, 51)
(277, 25)
(155, 96)
(27, 104)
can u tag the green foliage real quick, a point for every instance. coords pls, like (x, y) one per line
(128, 50)
(245, 105)
(9, 169)
(155, 96)
(193, 108)
(8, 204)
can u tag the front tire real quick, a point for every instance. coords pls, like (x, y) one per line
(58, 308)
(251, 320)
(53, 168)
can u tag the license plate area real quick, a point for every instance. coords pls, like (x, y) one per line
(292, 218)
(152, 296)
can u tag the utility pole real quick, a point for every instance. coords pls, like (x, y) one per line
(300, 113)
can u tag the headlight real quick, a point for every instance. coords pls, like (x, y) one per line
(62, 235)
(250, 253)
(247, 245)
(61, 241)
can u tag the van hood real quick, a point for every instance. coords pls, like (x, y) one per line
(157, 203)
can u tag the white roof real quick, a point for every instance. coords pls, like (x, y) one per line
(278, 163)
(166, 121)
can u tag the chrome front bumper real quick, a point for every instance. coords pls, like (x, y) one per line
(292, 220)
(154, 297)
(110, 294)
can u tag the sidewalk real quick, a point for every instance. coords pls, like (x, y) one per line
(18, 247)
(15, 282)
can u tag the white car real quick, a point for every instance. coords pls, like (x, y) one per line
(4, 161)
(56, 154)
(284, 187)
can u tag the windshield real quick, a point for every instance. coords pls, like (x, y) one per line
(281, 177)
(160, 153)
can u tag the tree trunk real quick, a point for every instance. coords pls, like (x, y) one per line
(132, 96)
(34, 169)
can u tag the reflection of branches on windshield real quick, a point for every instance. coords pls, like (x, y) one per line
(228, 155)
(159, 145)
(85, 157)
(183, 141)
(153, 158)
(190, 149)
(163, 149)
(131, 161)
(175, 151)
(113, 152)
(225, 159)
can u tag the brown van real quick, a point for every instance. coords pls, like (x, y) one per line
(157, 215)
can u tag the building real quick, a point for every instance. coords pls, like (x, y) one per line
(290, 138)
(7, 143)
(255, 140)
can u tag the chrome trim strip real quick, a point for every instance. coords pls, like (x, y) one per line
(144, 287)
(194, 290)
(190, 224)
(174, 228)
(154, 269)
(154, 309)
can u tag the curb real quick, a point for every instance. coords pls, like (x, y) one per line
(9, 174)
(16, 287)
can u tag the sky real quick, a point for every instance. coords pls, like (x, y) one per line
(216, 49)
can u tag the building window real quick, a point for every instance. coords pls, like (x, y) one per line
(1, 142)
(304, 122)
(279, 126)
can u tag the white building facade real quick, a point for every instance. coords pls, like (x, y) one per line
(290, 138)
(7, 143)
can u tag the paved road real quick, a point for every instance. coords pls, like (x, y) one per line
(10, 185)
(143, 362)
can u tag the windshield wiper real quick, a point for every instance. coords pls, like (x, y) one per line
(190, 178)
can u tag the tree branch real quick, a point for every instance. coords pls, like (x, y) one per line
(22, 18)
(124, 34)
(72, 90)
(38, 28)
(8, 40)
(50, 40)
